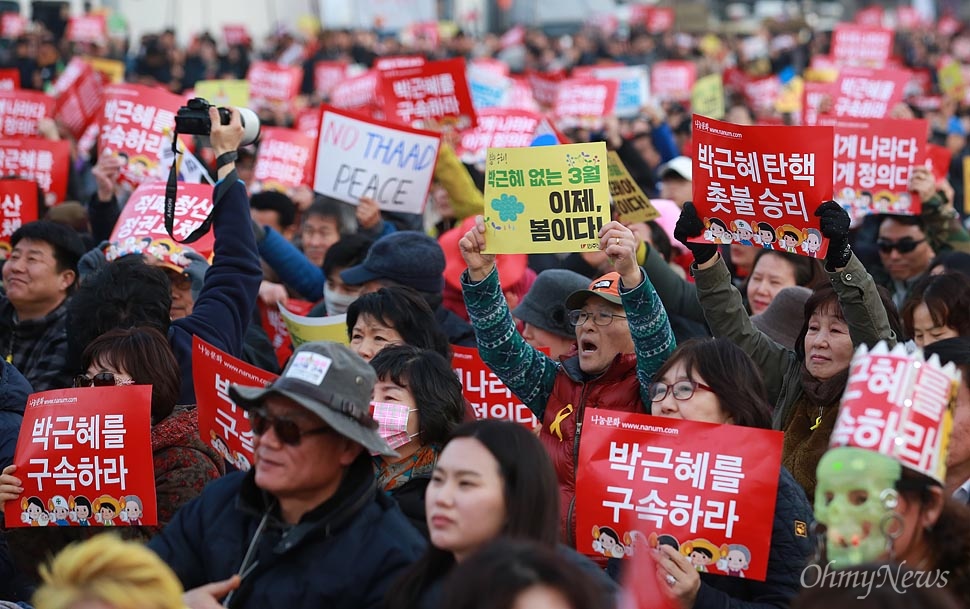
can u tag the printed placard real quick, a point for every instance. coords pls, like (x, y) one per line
(762, 94)
(816, 101)
(358, 93)
(631, 203)
(327, 75)
(222, 424)
(488, 89)
(545, 86)
(275, 327)
(866, 93)
(498, 128)
(633, 86)
(88, 28)
(546, 199)
(399, 62)
(760, 185)
(584, 102)
(708, 489)
(78, 96)
(142, 221)
(84, 457)
(871, 16)
(225, 92)
(359, 157)
(489, 397)
(21, 110)
(235, 34)
(112, 70)
(332, 328)
(43, 161)
(9, 77)
(873, 163)
(707, 98)
(285, 159)
(655, 19)
(432, 96)
(673, 80)
(862, 46)
(273, 85)
(18, 205)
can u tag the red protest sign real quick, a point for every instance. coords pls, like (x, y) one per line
(544, 86)
(235, 35)
(489, 396)
(520, 96)
(142, 224)
(79, 96)
(760, 185)
(816, 101)
(584, 101)
(948, 25)
(21, 110)
(399, 62)
(327, 75)
(938, 158)
(512, 37)
(285, 158)
(495, 67)
(273, 85)
(655, 19)
(84, 457)
(498, 128)
(276, 328)
(859, 45)
(909, 18)
(135, 121)
(358, 93)
(673, 80)
(867, 93)
(9, 78)
(222, 424)
(88, 28)
(308, 122)
(870, 16)
(431, 96)
(873, 161)
(18, 205)
(12, 25)
(40, 160)
(762, 93)
(701, 484)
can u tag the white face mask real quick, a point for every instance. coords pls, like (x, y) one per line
(336, 302)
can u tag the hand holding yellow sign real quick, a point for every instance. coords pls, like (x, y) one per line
(631, 203)
(332, 328)
(224, 92)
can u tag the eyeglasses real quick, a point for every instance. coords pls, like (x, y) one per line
(600, 318)
(287, 430)
(683, 389)
(179, 281)
(903, 246)
(102, 379)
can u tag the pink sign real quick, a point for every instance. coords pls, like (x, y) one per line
(327, 75)
(855, 45)
(285, 158)
(20, 111)
(867, 93)
(89, 28)
(584, 101)
(673, 80)
(272, 85)
(498, 128)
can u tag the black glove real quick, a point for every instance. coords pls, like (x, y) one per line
(834, 225)
(689, 225)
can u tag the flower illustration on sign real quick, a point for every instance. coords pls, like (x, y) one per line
(508, 207)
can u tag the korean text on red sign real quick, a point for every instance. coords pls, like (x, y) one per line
(584, 101)
(273, 85)
(222, 424)
(867, 93)
(489, 396)
(672, 80)
(358, 93)
(79, 96)
(18, 205)
(284, 159)
(432, 96)
(857, 45)
(142, 219)
(498, 128)
(704, 485)
(275, 326)
(20, 111)
(85, 459)
(40, 160)
(760, 185)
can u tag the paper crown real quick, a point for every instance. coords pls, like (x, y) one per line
(899, 405)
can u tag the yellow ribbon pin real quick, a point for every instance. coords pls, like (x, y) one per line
(554, 427)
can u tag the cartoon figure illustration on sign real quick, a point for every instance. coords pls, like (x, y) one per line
(702, 553)
(607, 542)
(737, 560)
(106, 509)
(634, 542)
(59, 510)
(663, 540)
(766, 236)
(789, 238)
(220, 445)
(743, 233)
(812, 243)
(81, 511)
(34, 513)
(717, 231)
(132, 510)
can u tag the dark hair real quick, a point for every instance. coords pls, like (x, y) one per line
(719, 222)
(946, 296)
(808, 271)
(64, 241)
(349, 251)
(433, 384)
(765, 226)
(854, 591)
(271, 200)
(904, 220)
(495, 577)
(660, 240)
(531, 501)
(952, 261)
(610, 533)
(328, 208)
(82, 500)
(956, 350)
(730, 373)
(403, 309)
(703, 551)
(144, 353)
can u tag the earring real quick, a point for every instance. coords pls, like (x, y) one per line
(817, 532)
(892, 527)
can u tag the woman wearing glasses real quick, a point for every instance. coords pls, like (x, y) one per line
(714, 381)
(622, 334)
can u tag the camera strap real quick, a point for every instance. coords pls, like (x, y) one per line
(171, 194)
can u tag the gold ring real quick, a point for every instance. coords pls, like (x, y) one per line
(616, 240)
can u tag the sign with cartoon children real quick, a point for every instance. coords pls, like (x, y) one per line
(488, 395)
(546, 199)
(84, 457)
(141, 224)
(760, 185)
(707, 490)
(222, 424)
(873, 162)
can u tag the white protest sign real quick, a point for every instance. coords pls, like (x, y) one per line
(358, 157)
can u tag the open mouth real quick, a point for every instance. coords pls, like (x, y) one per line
(586, 346)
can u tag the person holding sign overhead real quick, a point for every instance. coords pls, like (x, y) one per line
(623, 337)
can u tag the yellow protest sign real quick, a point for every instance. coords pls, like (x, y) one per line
(112, 68)
(790, 98)
(332, 328)
(707, 97)
(950, 78)
(966, 180)
(546, 199)
(224, 92)
(631, 204)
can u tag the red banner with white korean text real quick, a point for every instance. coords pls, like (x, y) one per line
(79, 96)
(9, 78)
(544, 86)
(43, 161)
(432, 96)
(235, 34)
(327, 75)
(862, 46)
(222, 424)
(655, 19)
(495, 67)
(695, 485)
(142, 225)
(273, 85)
(866, 93)
(285, 159)
(399, 62)
(498, 128)
(873, 162)
(358, 93)
(134, 122)
(84, 457)
(762, 93)
(488, 395)
(871, 16)
(276, 328)
(88, 28)
(760, 185)
(672, 80)
(584, 102)
(308, 122)
(21, 110)
(816, 101)
(18, 205)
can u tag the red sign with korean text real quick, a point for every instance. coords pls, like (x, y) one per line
(762, 93)
(399, 62)
(222, 424)
(358, 93)
(135, 121)
(656, 19)
(84, 457)
(760, 185)
(286, 158)
(18, 205)
(873, 161)
(704, 485)
(276, 328)
(21, 110)
(867, 93)
(816, 100)
(308, 122)
(12, 25)
(9, 79)
(672, 80)
(871, 16)
(142, 218)
(40, 160)
(89, 28)
(864, 46)
(908, 18)
(327, 75)
(938, 158)
(584, 102)
(498, 128)
(520, 96)
(235, 35)
(272, 85)
(488, 395)
(79, 96)
(544, 86)
(433, 96)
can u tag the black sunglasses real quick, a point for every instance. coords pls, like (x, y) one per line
(287, 430)
(903, 246)
(101, 379)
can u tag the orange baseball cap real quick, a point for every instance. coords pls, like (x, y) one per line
(606, 287)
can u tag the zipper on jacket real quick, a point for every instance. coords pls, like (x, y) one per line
(570, 529)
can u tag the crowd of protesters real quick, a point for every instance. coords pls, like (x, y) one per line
(449, 511)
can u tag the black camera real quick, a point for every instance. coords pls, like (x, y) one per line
(193, 119)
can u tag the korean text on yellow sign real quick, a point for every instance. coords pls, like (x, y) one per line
(546, 199)
(707, 97)
(631, 203)
(224, 92)
(332, 328)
